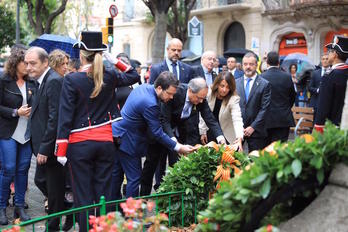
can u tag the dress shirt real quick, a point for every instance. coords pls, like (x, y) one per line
(232, 71)
(42, 76)
(170, 67)
(251, 82)
(208, 76)
(186, 111)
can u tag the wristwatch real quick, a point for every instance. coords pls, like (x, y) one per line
(14, 113)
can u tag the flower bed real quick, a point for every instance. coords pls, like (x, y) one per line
(276, 167)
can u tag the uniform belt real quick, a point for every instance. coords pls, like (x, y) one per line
(101, 133)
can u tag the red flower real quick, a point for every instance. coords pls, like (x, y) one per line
(269, 228)
(205, 220)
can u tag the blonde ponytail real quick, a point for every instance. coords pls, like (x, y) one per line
(96, 71)
(97, 68)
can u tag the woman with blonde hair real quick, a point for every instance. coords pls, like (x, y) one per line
(59, 60)
(224, 103)
(87, 109)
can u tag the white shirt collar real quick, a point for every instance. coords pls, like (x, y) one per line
(43, 75)
(252, 78)
(335, 65)
(272, 67)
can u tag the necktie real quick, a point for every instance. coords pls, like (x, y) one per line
(174, 70)
(186, 111)
(247, 89)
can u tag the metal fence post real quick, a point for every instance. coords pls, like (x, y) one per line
(103, 206)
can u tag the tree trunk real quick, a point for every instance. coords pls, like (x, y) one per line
(159, 37)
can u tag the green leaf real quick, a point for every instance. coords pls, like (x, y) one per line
(320, 176)
(193, 180)
(266, 188)
(280, 174)
(187, 191)
(317, 162)
(296, 167)
(229, 217)
(259, 179)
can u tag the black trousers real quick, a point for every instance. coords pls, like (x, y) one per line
(156, 162)
(91, 164)
(49, 178)
(275, 134)
(256, 143)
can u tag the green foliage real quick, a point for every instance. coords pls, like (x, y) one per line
(232, 205)
(8, 27)
(194, 174)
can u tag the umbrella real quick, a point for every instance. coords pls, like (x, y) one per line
(187, 54)
(304, 64)
(50, 42)
(192, 61)
(135, 63)
(222, 61)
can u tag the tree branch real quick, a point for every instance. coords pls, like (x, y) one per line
(53, 15)
(30, 13)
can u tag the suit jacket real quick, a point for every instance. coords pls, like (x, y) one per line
(238, 73)
(185, 75)
(44, 115)
(10, 99)
(254, 111)
(331, 95)
(140, 114)
(188, 128)
(199, 72)
(282, 98)
(314, 85)
(230, 118)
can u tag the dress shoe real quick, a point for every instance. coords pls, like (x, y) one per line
(3, 217)
(21, 214)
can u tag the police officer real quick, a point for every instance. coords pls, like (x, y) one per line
(334, 83)
(88, 107)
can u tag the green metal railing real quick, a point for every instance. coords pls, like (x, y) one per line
(102, 206)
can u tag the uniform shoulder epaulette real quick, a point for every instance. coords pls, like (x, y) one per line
(345, 66)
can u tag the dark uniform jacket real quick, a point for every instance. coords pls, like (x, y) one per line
(188, 128)
(10, 99)
(78, 111)
(331, 95)
(185, 75)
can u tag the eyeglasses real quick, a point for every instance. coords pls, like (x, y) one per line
(169, 93)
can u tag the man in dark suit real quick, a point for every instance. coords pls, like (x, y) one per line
(279, 118)
(232, 68)
(255, 98)
(314, 83)
(49, 176)
(157, 154)
(333, 86)
(141, 115)
(182, 71)
(180, 116)
(205, 70)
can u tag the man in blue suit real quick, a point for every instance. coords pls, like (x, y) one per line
(232, 68)
(255, 98)
(183, 72)
(314, 84)
(141, 115)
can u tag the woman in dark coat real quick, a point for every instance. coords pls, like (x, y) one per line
(16, 93)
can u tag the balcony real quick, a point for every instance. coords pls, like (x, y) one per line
(219, 6)
(305, 8)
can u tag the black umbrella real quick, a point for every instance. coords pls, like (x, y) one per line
(237, 53)
(187, 54)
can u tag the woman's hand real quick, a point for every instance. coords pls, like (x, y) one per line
(204, 139)
(239, 143)
(24, 111)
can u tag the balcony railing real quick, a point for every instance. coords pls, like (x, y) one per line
(216, 3)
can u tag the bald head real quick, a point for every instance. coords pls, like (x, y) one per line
(208, 59)
(36, 60)
(174, 49)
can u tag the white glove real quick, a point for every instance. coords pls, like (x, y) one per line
(107, 56)
(62, 160)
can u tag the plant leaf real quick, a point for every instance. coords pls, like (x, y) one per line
(259, 179)
(296, 167)
(320, 176)
(266, 188)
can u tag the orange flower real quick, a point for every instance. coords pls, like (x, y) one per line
(308, 138)
(270, 149)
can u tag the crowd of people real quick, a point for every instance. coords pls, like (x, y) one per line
(90, 121)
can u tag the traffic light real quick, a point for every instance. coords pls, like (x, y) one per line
(110, 30)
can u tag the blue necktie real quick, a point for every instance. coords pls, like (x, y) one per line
(174, 70)
(247, 89)
(186, 111)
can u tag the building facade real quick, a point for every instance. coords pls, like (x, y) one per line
(286, 26)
